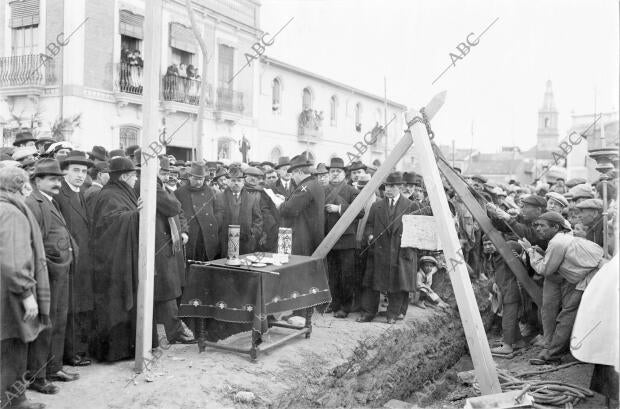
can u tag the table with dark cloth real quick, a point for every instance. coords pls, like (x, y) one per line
(240, 298)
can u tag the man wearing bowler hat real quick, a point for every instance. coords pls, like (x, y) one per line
(341, 259)
(73, 207)
(198, 201)
(304, 209)
(389, 268)
(45, 356)
(24, 139)
(357, 169)
(285, 184)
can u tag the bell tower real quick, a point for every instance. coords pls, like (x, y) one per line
(547, 135)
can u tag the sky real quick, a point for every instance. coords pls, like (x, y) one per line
(496, 88)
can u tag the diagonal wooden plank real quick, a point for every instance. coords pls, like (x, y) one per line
(492, 233)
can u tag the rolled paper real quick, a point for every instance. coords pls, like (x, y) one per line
(234, 231)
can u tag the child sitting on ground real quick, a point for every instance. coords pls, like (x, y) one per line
(424, 281)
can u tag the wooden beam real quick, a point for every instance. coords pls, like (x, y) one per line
(480, 215)
(148, 177)
(479, 349)
(360, 201)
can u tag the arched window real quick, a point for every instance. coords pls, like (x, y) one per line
(276, 153)
(275, 94)
(358, 115)
(546, 122)
(333, 103)
(128, 135)
(306, 102)
(223, 148)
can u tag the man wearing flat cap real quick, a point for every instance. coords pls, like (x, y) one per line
(45, 357)
(73, 207)
(236, 206)
(343, 280)
(198, 201)
(304, 209)
(268, 241)
(565, 274)
(591, 216)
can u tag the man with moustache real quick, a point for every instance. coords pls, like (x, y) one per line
(73, 207)
(285, 184)
(358, 169)
(45, 356)
(268, 241)
(341, 259)
(198, 201)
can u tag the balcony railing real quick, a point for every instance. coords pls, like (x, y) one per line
(27, 70)
(129, 79)
(229, 100)
(184, 90)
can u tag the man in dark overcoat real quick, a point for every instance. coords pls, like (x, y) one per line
(304, 210)
(268, 241)
(198, 203)
(60, 249)
(170, 237)
(390, 268)
(73, 207)
(235, 206)
(343, 279)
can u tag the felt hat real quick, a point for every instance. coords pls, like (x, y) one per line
(410, 178)
(357, 165)
(235, 172)
(56, 146)
(596, 204)
(394, 178)
(184, 172)
(23, 137)
(98, 152)
(211, 165)
(321, 169)
(47, 167)
(479, 178)
(574, 182)
(582, 191)
(553, 217)
(267, 163)
(336, 163)
(498, 191)
(43, 140)
(253, 171)
(197, 170)
(558, 198)
(76, 157)
(23, 152)
(130, 150)
(103, 167)
(428, 259)
(298, 161)
(220, 172)
(117, 152)
(283, 161)
(121, 164)
(534, 200)
(254, 164)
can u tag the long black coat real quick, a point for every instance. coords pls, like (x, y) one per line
(198, 206)
(271, 220)
(169, 266)
(390, 268)
(342, 195)
(250, 220)
(304, 212)
(73, 208)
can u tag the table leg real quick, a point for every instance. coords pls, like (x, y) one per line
(201, 334)
(308, 325)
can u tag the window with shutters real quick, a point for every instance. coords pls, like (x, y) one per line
(24, 27)
(306, 99)
(128, 136)
(225, 65)
(275, 94)
(358, 120)
(333, 103)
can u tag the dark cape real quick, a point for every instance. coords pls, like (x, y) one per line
(115, 270)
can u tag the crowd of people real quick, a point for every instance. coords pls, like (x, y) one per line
(69, 223)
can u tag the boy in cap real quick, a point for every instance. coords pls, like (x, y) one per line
(590, 213)
(424, 280)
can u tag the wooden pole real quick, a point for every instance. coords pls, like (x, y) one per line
(148, 176)
(199, 134)
(360, 201)
(479, 350)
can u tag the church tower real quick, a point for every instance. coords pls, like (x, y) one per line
(547, 135)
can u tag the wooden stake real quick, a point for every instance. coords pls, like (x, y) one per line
(148, 176)
(360, 201)
(468, 307)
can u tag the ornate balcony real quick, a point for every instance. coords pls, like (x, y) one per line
(27, 74)
(229, 105)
